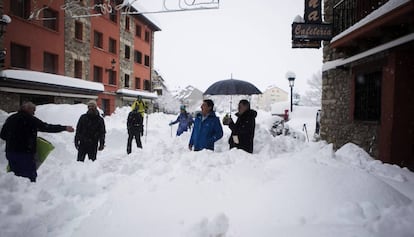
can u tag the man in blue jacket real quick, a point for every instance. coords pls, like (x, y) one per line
(207, 128)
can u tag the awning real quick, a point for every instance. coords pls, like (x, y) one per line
(344, 61)
(27, 79)
(132, 94)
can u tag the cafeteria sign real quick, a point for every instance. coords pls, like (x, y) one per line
(308, 34)
(304, 31)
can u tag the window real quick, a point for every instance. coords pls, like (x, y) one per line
(112, 77)
(137, 57)
(147, 60)
(137, 83)
(126, 84)
(51, 19)
(368, 97)
(147, 36)
(50, 62)
(106, 106)
(147, 85)
(126, 22)
(20, 56)
(78, 69)
(112, 45)
(127, 52)
(97, 74)
(138, 31)
(78, 30)
(20, 8)
(97, 39)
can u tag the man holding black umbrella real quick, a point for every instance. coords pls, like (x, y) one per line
(242, 132)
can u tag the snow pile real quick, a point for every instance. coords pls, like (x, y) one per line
(287, 187)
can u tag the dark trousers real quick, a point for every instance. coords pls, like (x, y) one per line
(132, 135)
(89, 150)
(22, 164)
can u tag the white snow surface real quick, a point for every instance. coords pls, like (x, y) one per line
(287, 187)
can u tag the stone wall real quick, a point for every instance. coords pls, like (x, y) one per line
(76, 49)
(9, 101)
(337, 124)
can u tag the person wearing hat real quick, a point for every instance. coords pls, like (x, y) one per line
(184, 120)
(140, 104)
(20, 133)
(90, 132)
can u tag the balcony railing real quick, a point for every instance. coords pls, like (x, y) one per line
(348, 12)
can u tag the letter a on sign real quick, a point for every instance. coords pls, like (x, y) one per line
(313, 11)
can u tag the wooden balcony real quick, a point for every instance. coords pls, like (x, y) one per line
(348, 12)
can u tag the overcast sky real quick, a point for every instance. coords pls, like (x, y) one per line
(249, 39)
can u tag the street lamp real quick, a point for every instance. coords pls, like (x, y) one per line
(291, 77)
(113, 63)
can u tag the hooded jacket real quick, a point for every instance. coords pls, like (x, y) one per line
(244, 130)
(206, 132)
(184, 120)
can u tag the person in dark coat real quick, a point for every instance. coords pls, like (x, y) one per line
(135, 128)
(20, 133)
(89, 132)
(207, 128)
(184, 120)
(242, 132)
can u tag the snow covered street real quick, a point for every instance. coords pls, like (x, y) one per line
(287, 187)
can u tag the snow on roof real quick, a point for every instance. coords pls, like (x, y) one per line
(150, 95)
(384, 9)
(52, 79)
(142, 10)
(343, 61)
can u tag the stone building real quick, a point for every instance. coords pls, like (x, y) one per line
(67, 51)
(368, 78)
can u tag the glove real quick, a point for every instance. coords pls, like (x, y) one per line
(77, 144)
(101, 147)
(170, 124)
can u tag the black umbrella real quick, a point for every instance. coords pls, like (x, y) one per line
(232, 87)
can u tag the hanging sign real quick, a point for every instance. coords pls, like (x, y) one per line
(311, 31)
(313, 11)
(309, 44)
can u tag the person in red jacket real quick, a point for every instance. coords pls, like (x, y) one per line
(20, 133)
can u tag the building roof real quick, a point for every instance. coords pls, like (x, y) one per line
(138, 11)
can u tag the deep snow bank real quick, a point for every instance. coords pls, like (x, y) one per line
(287, 187)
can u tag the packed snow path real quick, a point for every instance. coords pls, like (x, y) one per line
(288, 187)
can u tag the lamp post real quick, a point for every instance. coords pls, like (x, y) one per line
(291, 78)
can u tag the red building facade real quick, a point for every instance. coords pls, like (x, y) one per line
(88, 44)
